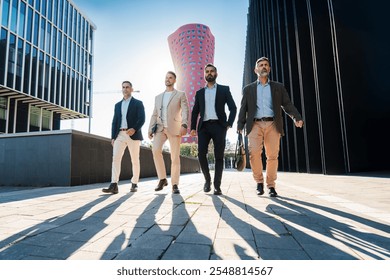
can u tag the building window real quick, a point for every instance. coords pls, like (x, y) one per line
(19, 65)
(11, 61)
(35, 116)
(22, 19)
(3, 53)
(5, 15)
(3, 108)
(29, 24)
(40, 116)
(46, 120)
(14, 15)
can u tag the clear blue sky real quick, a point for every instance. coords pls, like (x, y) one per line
(131, 44)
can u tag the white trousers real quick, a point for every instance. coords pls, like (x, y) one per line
(121, 142)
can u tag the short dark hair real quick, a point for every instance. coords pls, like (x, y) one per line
(173, 73)
(127, 82)
(210, 65)
(262, 59)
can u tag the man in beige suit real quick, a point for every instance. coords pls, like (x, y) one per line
(169, 121)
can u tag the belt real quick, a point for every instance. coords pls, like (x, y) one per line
(265, 119)
(123, 129)
(211, 121)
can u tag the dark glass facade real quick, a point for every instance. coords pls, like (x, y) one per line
(332, 57)
(46, 57)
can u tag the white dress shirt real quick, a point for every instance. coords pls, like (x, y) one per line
(125, 107)
(164, 108)
(209, 99)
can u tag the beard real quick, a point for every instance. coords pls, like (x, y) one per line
(210, 78)
(264, 74)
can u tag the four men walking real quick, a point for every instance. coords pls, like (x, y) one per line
(260, 114)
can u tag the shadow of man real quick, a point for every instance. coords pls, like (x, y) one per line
(162, 237)
(59, 237)
(322, 229)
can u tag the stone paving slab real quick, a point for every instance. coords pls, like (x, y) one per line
(314, 217)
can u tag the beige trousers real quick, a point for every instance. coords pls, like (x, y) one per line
(264, 134)
(121, 142)
(174, 141)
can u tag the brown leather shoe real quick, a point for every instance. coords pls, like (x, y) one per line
(175, 189)
(161, 185)
(113, 188)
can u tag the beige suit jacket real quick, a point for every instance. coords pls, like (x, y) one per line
(176, 116)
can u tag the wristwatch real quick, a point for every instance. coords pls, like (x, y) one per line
(184, 125)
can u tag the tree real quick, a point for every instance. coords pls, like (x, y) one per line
(189, 149)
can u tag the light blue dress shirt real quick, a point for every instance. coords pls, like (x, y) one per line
(125, 107)
(209, 99)
(264, 101)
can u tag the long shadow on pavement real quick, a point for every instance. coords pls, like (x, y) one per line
(364, 236)
(59, 237)
(244, 250)
(269, 237)
(165, 237)
(139, 246)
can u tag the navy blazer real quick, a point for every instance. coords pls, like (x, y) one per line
(223, 97)
(135, 118)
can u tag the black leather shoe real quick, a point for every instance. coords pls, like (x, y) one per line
(175, 189)
(217, 191)
(161, 185)
(134, 188)
(272, 192)
(260, 188)
(206, 187)
(113, 188)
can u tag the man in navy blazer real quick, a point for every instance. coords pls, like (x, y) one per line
(213, 124)
(129, 117)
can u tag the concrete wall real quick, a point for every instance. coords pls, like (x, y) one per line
(69, 158)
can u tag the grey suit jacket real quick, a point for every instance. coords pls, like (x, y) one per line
(280, 100)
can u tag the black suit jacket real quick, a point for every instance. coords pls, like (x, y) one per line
(223, 97)
(280, 100)
(135, 118)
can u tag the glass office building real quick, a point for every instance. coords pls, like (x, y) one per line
(46, 60)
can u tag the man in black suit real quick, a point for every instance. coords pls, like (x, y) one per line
(129, 117)
(210, 104)
(261, 113)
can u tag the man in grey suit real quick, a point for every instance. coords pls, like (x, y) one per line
(261, 113)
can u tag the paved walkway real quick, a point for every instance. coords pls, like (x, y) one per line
(315, 217)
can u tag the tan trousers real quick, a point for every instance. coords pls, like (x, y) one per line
(174, 141)
(121, 142)
(264, 134)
